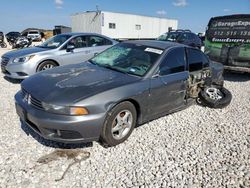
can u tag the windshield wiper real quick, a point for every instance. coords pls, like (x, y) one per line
(92, 62)
(41, 46)
(112, 68)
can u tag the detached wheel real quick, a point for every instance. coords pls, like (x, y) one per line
(119, 124)
(46, 65)
(215, 97)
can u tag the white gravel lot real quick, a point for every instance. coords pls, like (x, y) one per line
(197, 147)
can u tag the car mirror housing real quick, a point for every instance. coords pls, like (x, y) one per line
(156, 75)
(70, 48)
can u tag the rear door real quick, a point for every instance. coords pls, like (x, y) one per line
(196, 60)
(97, 44)
(168, 88)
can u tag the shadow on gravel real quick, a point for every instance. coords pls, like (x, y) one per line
(50, 143)
(236, 77)
(13, 81)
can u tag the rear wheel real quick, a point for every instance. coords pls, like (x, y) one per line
(46, 65)
(119, 124)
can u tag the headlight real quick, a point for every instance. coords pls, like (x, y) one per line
(67, 110)
(23, 59)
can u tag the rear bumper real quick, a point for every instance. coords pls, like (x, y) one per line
(60, 128)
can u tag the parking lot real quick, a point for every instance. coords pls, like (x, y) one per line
(196, 147)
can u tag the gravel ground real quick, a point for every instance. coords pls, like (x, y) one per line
(197, 147)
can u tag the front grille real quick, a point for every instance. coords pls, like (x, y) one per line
(32, 100)
(24, 93)
(4, 63)
(36, 103)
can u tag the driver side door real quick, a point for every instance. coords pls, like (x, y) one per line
(79, 54)
(168, 86)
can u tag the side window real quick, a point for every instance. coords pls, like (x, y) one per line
(174, 62)
(197, 60)
(190, 36)
(98, 41)
(183, 37)
(205, 60)
(78, 42)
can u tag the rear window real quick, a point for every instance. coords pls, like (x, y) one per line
(33, 32)
(195, 60)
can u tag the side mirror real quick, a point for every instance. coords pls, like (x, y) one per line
(70, 48)
(156, 75)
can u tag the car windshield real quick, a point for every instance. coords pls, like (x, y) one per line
(55, 41)
(15, 34)
(128, 58)
(33, 32)
(172, 36)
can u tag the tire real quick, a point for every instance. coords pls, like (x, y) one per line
(45, 65)
(215, 97)
(113, 132)
(3, 45)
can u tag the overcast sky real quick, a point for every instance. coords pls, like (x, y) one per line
(17, 15)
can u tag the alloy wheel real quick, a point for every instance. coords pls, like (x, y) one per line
(214, 93)
(122, 124)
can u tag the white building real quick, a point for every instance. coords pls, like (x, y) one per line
(120, 25)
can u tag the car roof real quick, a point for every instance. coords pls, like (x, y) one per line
(156, 44)
(79, 33)
(84, 33)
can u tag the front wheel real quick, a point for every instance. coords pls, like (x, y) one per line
(46, 65)
(3, 45)
(215, 97)
(119, 124)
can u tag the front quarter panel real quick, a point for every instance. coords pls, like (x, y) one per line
(105, 101)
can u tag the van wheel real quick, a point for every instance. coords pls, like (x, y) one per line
(46, 65)
(215, 97)
(119, 124)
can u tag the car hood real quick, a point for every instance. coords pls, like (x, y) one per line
(69, 84)
(24, 52)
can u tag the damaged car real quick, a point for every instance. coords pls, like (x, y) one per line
(128, 84)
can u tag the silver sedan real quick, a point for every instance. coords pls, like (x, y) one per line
(63, 49)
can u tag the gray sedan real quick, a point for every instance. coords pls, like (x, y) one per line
(61, 49)
(104, 98)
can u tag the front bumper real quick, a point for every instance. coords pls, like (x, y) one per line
(60, 128)
(18, 70)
